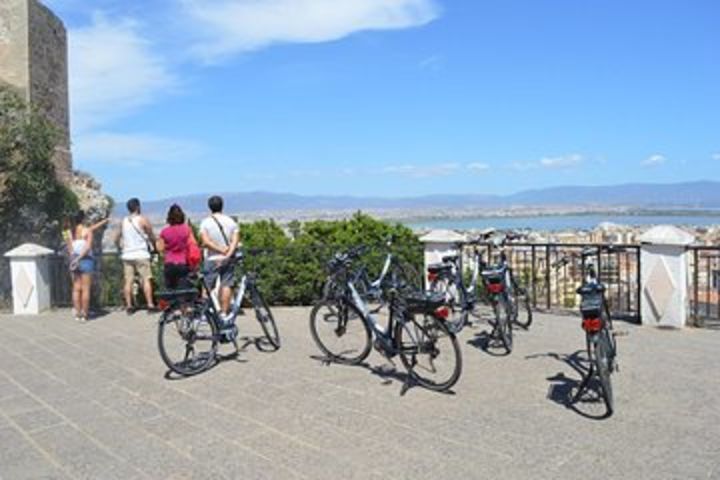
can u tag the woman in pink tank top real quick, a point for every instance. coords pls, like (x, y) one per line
(173, 242)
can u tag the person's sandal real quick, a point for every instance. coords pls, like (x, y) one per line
(130, 310)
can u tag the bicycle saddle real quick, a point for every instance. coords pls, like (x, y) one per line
(424, 302)
(439, 267)
(591, 288)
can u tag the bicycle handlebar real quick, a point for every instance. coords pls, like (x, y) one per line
(589, 251)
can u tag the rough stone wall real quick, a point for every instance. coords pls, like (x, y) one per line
(33, 58)
(14, 52)
(49, 78)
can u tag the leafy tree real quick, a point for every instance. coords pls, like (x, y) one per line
(32, 200)
(291, 271)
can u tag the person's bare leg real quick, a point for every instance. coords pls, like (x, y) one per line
(127, 292)
(76, 294)
(226, 294)
(147, 288)
(86, 280)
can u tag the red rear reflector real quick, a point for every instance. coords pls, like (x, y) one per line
(163, 304)
(495, 287)
(432, 276)
(592, 325)
(443, 312)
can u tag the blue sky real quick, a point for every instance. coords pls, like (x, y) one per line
(392, 97)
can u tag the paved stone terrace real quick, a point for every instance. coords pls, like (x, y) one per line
(92, 401)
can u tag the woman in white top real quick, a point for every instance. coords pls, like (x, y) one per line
(82, 263)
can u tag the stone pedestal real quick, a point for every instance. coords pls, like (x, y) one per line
(664, 276)
(30, 278)
(439, 243)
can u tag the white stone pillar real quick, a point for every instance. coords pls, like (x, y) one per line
(439, 243)
(30, 278)
(664, 276)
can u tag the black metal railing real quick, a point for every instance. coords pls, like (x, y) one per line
(705, 285)
(291, 275)
(553, 289)
(288, 275)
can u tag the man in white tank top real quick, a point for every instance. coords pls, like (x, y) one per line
(136, 239)
(220, 237)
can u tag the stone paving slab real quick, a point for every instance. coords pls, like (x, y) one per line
(93, 401)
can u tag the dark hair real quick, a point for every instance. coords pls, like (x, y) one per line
(133, 205)
(215, 204)
(79, 217)
(175, 215)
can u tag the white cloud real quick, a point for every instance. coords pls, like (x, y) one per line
(131, 149)
(227, 27)
(477, 167)
(422, 171)
(716, 156)
(433, 62)
(565, 161)
(113, 72)
(654, 160)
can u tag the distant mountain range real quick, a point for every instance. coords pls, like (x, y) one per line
(692, 195)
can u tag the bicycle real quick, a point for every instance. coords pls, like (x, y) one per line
(597, 323)
(196, 322)
(345, 330)
(373, 291)
(462, 297)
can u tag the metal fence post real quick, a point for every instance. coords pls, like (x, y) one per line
(548, 299)
(696, 288)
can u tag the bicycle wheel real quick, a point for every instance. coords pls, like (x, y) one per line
(523, 316)
(187, 340)
(454, 300)
(265, 318)
(339, 330)
(611, 337)
(503, 322)
(429, 351)
(602, 365)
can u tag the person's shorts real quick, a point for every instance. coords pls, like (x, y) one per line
(211, 271)
(85, 265)
(140, 268)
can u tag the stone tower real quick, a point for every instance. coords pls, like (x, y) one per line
(33, 60)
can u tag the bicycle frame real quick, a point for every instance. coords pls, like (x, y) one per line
(236, 301)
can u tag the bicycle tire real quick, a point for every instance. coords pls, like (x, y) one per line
(413, 339)
(611, 336)
(523, 315)
(265, 318)
(334, 317)
(503, 322)
(454, 299)
(186, 327)
(602, 362)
